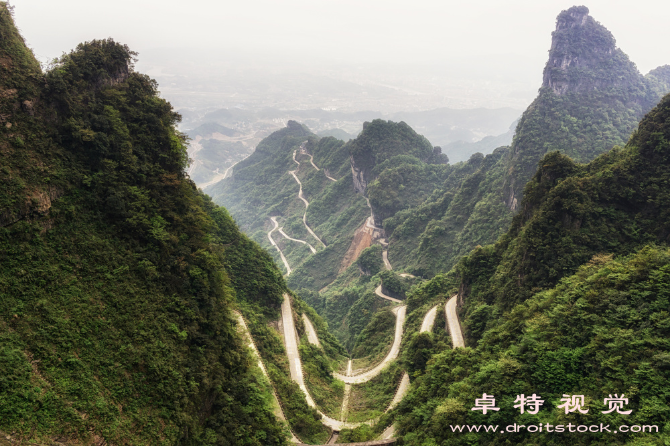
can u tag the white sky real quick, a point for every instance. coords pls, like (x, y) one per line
(344, 30)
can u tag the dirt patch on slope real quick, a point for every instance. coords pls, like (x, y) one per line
(362, 239)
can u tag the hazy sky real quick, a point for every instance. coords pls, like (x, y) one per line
(344, 30)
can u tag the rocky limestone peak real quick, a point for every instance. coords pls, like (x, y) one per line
(584, 57)
(573, 17)
(293, 125)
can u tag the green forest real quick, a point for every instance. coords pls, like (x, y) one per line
(138, 309)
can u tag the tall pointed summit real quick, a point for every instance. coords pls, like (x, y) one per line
(591, 99)
(583, 54)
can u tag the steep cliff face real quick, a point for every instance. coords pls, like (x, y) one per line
(591, 99)
(382, 145)
(582, 55)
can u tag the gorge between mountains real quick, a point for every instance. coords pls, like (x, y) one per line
(318, 290)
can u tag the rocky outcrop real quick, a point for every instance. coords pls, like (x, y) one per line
(583, 55)
(361, 177)
(37, 204)
(591, 99)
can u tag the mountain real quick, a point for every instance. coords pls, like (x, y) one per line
(572, 300)
(209, 129)
(458, 151)
(591, 99)
(588, 83)
(425, 213)
(120, 283)
(213, 149)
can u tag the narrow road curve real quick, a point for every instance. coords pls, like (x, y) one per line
(281, 254)
(429, 320)
(385, 257)
(312, 337)
(278, 411)
(311, 160)
(311, 248)
(378, 292)
(303, 149)
(302, 197)
(295, 366)
(453, 323)
(392, 354)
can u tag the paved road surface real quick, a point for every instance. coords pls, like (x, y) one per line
(345, 402)
(281, 254)
(378, 292)
(311, 248)
(312, 337)
(426, 325)
(393, 353)
(388, 433)
(295, 366)
(311, 160)
(385, 257)
(279, 413)
(429, 320)
(302, 197)
(400, 393)
(452, 322)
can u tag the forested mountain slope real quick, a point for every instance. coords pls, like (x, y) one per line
(427, 214)
(118, 277)
(573, 300)
(333, 177)
(591, 99)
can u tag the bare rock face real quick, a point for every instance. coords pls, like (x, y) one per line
(37, 204)
(360, 177)
(592, 97)
(584, 57)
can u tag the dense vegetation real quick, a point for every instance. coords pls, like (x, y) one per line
(583, 109)
(572, 300)
(118, 277)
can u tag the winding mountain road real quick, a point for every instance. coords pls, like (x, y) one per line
(278, 411)
(291, 341)
(295, 366)
(392, 354)
(303, 149)
(311, 248)
(378, 292)
(281, 254)
(311, 160)
(429, 320)
(426, 326)
(453, 323)
(385, 258)
(302, 197)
